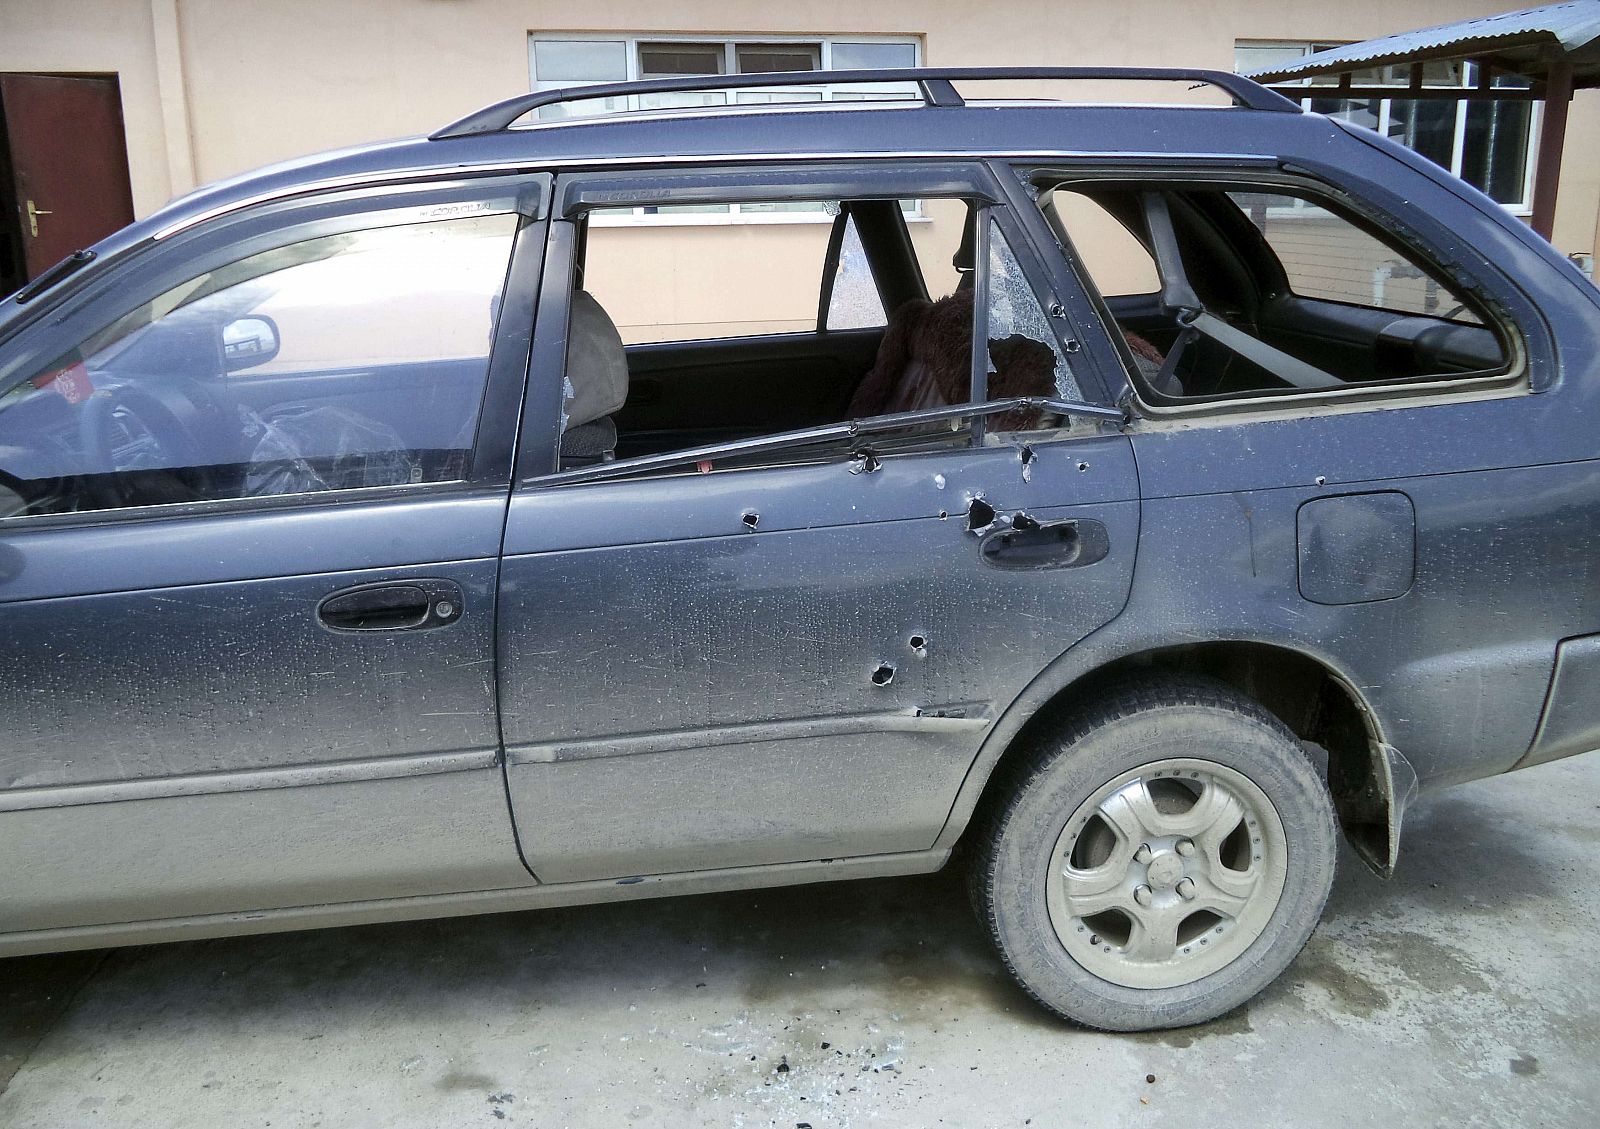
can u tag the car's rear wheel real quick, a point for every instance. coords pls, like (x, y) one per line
(1157, 861)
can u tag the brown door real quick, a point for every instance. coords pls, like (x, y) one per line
(68, 164)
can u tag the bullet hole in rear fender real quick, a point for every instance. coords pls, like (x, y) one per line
(980, 515)
(750, 518)
(883, 675)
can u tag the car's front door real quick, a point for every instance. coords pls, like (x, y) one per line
(255, 489)
(733, 659)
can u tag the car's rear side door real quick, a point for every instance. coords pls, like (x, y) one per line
(721, 662)
(247, 589)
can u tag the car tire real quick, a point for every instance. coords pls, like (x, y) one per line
(1113, 878)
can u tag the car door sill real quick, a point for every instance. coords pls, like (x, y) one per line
(964, 717)
(472, 902)
(251, 780)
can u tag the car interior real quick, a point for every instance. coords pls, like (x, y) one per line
(186, 398)
(1227, 319)
(158, 434)
(1266, 290)
(630, 400)
(1253, 290)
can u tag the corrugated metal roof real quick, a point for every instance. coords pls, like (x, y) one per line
(1512, 37)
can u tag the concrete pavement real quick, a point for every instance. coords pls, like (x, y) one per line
(1466, 992)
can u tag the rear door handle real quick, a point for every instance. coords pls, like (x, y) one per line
(404, 605)
(1030, 544)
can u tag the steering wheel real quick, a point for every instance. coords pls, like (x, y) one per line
(136, 443)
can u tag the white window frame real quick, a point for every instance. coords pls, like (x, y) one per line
(1523, 208)
(730, 44)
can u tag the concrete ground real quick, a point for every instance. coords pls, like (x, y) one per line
(1466, 992)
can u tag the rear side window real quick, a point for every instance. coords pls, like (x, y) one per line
(1225, 291)
(350, 360)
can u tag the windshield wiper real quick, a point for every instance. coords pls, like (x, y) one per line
(67, 266)
(849, 429)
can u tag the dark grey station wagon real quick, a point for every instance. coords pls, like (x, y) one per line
(355, 565)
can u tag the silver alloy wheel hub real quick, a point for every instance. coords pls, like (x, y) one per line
(1168, 873)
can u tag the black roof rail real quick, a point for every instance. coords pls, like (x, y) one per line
(932, 82)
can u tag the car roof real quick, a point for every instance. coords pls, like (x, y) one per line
(799, 131)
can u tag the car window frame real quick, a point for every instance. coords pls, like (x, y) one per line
(1506, 309)
(581, 190)
(152, 269)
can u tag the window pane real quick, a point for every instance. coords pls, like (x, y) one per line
(1429, 127)
(854, 302)
(583, 108)
(1435, 72)
(664, 60)
(579, 60)
(673, 99)
(759, 58)
(1253, 57)
(872, 56)
(1024, 357)
(1368, 77)
(812, 206)
(1326, 256)
(1362, 112)
(346, 361)
(887, 93)
(1494, 152)
(685, 209)
(773, 97)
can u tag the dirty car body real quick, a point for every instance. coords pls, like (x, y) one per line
(494, 612)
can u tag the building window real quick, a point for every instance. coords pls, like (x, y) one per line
(1487, 144)
(577, 60)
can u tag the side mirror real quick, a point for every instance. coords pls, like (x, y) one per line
(249, 341)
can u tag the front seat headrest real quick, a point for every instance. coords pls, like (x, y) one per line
(597, 366)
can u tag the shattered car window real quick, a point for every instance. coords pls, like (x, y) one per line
(1024, 357)
(854, 302)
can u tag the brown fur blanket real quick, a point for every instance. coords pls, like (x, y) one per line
(925, 360)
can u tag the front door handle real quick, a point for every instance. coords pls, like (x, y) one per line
(403, 605)
(1029, 544)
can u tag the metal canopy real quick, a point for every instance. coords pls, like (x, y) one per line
(1555, 47)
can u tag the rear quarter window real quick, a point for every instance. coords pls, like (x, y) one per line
(1326, 256)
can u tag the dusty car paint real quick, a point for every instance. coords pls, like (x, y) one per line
(760, 676)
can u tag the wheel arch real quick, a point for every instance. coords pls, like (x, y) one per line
(1369, 780)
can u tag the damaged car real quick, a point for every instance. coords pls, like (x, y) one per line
(1118, 501)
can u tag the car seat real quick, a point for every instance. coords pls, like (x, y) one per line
(597, 378)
